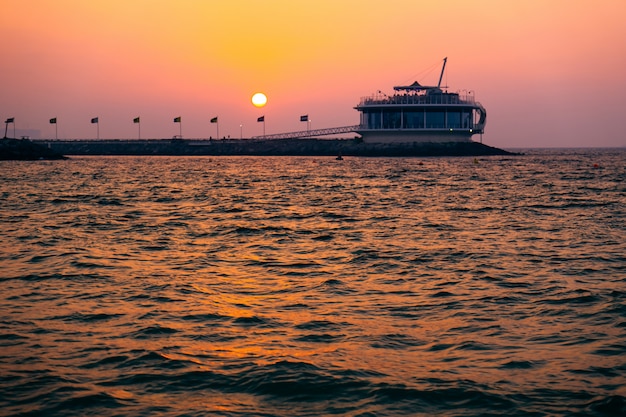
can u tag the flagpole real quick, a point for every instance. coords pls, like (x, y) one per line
(98, 128)
(263, 126)
(139, 127)
(305, 118)
(56, 131)
(216, 120)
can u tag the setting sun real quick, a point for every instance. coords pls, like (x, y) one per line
(259, 99)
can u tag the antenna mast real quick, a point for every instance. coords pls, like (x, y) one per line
(442, 70)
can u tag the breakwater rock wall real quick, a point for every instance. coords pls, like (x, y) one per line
(259, 147)
(25, 150)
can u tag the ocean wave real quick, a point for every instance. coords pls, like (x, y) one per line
(378, 287)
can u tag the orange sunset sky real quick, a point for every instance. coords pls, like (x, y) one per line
(551, 73)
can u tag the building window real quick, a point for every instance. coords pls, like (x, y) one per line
(435, 119)
(391, 119)
(454, 120)
(414, 120)
(373, 120)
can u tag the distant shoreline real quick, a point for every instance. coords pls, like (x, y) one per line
(261, 147)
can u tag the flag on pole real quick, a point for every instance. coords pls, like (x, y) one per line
(53, 121)
(304, 118)
(137, 121)
(95, 120)
(177, 119)
(10, 120)
(261, 119)
(217, 126)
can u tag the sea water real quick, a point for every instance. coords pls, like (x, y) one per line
(283, 286)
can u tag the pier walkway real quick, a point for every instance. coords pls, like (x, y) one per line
(310, 133)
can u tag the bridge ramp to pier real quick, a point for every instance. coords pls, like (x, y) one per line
(311, 133)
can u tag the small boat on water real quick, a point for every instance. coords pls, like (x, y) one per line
(418, 113)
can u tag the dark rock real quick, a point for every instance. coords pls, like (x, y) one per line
(25, 150)
(276, 147)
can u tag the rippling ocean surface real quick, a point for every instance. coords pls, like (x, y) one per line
(282, 286)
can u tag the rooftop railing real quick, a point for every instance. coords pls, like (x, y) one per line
(418, 99)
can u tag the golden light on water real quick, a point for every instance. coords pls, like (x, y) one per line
(259, 99)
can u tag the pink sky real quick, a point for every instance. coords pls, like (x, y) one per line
(551, 73)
